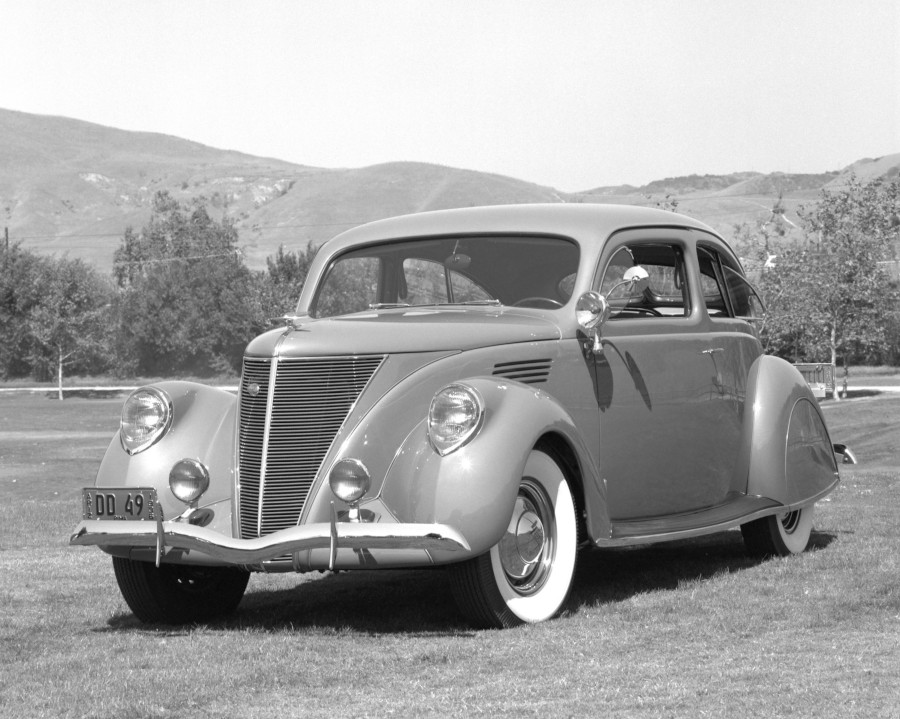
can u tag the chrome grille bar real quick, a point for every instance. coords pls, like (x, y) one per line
(286, 430)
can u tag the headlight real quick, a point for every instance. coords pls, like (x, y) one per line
(188, 479)
(349, 480)
(146, 417)
(454, 417)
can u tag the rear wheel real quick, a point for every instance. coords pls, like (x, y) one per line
(179, 594)
(525, 577)
(779, 535)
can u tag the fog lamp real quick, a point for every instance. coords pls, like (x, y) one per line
(188, 479)
(349, 480)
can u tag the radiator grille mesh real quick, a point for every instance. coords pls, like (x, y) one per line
(282, 448)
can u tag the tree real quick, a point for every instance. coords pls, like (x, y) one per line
(70, 321)
(851, 229)
(188, 303)
(20, 292)
(828, 296)
(284, 277)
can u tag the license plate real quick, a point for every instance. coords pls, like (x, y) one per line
(119, 504)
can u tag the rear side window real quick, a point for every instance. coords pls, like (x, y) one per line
(726, 291)
(712, 283)
(746, 302)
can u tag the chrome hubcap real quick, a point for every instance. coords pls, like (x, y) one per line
(526, 550)
(790, 521)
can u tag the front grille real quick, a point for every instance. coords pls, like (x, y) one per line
(281, 448)
(527, 371)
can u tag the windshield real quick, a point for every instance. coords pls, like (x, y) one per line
(522, 271)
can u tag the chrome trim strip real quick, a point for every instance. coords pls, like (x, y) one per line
(267, 427)
(347, 535)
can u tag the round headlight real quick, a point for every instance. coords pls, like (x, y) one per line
(454, 417)
(188, 479)
(146, 417)
(349, 480)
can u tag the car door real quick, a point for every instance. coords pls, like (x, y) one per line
(664, 449)
(732, 306)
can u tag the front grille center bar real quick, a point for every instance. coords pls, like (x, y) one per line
(267, 427)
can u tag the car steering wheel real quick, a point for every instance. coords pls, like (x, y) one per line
(648, 310)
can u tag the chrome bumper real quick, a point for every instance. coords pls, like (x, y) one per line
(165, 535)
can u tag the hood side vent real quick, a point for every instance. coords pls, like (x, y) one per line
(527, 371)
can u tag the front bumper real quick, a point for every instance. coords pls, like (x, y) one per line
(334, 545)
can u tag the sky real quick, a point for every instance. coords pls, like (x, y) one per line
(573, 94)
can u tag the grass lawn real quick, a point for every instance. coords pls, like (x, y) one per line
(687, 629)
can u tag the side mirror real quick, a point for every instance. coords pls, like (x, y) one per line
(591, 311)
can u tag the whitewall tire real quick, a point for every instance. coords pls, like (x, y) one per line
(779, 535)
(526, 577)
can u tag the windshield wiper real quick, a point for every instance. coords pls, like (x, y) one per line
(395, 305)
(491, 303)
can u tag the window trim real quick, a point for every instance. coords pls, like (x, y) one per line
(720, 266)
(631, 238)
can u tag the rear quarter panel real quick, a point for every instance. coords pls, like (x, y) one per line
(786, 450)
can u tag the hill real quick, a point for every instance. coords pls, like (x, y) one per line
(68, 186)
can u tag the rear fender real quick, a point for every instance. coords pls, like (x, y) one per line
(473, 489)
(786, 451)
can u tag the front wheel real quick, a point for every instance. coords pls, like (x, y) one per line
(779, 535)
(527, 575)
(179, 594)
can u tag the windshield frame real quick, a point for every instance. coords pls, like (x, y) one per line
(489, 269)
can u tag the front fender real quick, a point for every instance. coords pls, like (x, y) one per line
(473, 489)
(203, 429)
(786, 449)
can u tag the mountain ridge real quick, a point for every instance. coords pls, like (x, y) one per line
(70, 186)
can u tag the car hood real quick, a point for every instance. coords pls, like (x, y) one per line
(406, 330)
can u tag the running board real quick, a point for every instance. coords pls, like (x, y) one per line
(738, 511)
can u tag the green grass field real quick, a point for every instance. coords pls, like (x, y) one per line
(687, 629)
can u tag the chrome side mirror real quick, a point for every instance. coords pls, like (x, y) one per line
(591, 311)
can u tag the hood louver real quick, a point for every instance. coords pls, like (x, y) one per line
(527, 371)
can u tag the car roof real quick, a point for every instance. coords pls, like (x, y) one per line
(579, 221)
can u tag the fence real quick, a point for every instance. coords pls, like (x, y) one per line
(819, 376)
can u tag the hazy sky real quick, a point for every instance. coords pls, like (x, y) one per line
(568, 93)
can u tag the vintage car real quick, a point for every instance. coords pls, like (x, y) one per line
(489, 389)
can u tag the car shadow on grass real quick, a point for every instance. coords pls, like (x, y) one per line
(420, 602)
(615, 575)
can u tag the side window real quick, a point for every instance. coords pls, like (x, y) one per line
(711, 283)
(621, 261)
(721, 279)
(744, 298)
(667, 295)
